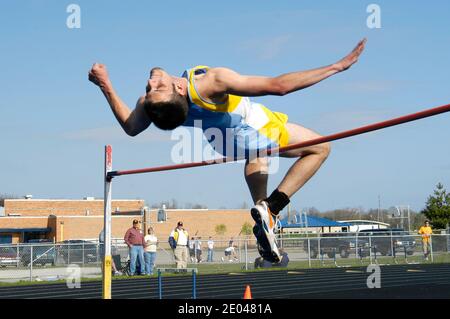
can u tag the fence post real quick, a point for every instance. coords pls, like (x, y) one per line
(392, 246)
(309, 252)
(31, 263)
(195, 252)
(375, 254)
(406, 255)
(18, 255)
(240, 250)
(448, 238)
(159, 284)
(82, 251)
(194, 284)
(334, 256)
(431, 248)
(318, 244)
(246, 254)
(370, 248)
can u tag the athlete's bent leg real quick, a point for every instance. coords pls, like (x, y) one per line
(264, 213)
(311, 158)
(256, 176)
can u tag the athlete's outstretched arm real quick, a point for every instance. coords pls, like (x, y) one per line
(228, 81)
(132, 122)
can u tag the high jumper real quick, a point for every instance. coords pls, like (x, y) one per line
(220, 98)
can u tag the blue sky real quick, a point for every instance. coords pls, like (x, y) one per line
(54, 122)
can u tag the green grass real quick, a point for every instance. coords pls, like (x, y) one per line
(226, 268)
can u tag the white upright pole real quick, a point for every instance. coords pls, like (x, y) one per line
(409, 220)
(107, 268)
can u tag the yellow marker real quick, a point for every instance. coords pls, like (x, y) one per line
(107, 270)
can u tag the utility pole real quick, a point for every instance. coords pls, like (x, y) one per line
(379, 207)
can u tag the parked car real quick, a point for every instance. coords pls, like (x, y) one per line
(384, 240)
(8, 257)
(343, 244)
(77, 251)
(43, 253)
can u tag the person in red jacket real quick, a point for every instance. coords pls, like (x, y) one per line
(135, 242)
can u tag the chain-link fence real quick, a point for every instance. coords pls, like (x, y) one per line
(49, 261)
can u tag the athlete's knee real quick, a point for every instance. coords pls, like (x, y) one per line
(325, 149)
(257, 164)
(321, 150)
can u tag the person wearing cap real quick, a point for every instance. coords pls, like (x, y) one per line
(135, 242)
(426, 232)
(178, 240)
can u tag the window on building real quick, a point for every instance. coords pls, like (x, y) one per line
(5, 239)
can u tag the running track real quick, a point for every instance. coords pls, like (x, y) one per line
(400, 281)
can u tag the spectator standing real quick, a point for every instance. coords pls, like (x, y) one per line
(198, 249)
(151, 242)
(192, 249)
(135, 242)
(426, 232)
(178, 240)
(210, 249)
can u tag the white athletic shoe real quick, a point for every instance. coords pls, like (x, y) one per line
(264, 232)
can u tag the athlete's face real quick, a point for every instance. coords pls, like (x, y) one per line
(160, 85)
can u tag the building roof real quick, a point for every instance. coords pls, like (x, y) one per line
(313, 221)
(363, 222)
(25, 230)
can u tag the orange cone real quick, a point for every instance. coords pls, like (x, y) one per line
(247, 293)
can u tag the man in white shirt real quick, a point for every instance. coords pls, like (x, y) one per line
(210, 249)
(178, 240)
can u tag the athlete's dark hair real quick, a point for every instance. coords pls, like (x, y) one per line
(170, 114)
